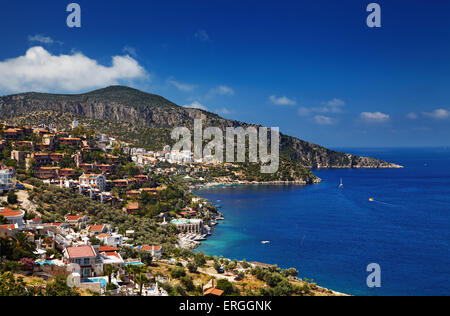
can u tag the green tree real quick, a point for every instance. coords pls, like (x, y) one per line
(188, 283)
(108, 270)
(192, 267)
(178, 272)
(12, 198)
(141, 280)
(226, 287)
(59, 287)
(9, 286)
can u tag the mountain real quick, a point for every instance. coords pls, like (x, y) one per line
(139, 112)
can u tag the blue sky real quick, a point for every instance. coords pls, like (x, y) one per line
(313, 68)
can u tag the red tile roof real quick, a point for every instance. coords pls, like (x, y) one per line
(213, 291)
(7, 212)
(80, 252)
(8, 227)
(74, 217)
(107, 249)
(103, 236)
(149, 248)
(133, 206)
(113, 254)
(96, 228)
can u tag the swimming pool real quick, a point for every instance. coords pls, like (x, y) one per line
(180, 221)
(134, 263)
(46, 262)
(102, 281)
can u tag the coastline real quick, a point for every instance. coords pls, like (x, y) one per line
(222, 216)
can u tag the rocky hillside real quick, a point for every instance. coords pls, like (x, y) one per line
(143, 111)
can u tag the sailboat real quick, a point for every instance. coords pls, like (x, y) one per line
(341, 185)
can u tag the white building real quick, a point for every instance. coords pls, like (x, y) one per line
(7, 180)
(12, 217)
(98, 181)
(114, 240)
(181, 156)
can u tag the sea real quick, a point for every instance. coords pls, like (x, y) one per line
(331, 235)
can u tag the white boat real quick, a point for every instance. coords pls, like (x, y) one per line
(341, 185)
(265, 242)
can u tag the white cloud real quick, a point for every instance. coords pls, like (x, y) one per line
(439, 114)
(412, 116)
(222, 90)
(335, 102)
(181, 86)
(324, 120)
(377, 117)
(202, 35)
(39, 38)
(281, 100)
(333, 106)
(196, 105)
(39, 70)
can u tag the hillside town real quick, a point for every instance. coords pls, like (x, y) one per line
(46, 237)
(87, 248)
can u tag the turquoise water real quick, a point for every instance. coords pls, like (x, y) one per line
(332, 235)
(134, 263)
(46, 262)
(103, 282)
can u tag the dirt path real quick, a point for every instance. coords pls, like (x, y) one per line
(27, 205)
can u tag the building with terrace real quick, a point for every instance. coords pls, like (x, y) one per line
(97, 181)
(13, 217)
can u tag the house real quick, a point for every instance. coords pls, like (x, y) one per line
(132, 208)
(84, 256)
(68, 141)
(133, 194)
(24, 144)
(97, 180)
(87, 167)
(18, 156)
(97, 229)
(213, 292)
(105, 169)
(47, 172)
(67, 172)
(56, 158)
(7, 178)
(12, 216)
(13, 133)
(155, 251)
(113, 258)
(76, 219)
(41, 159)
(114, 240)
(107, 249)
(140, 179)
(121, 183)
